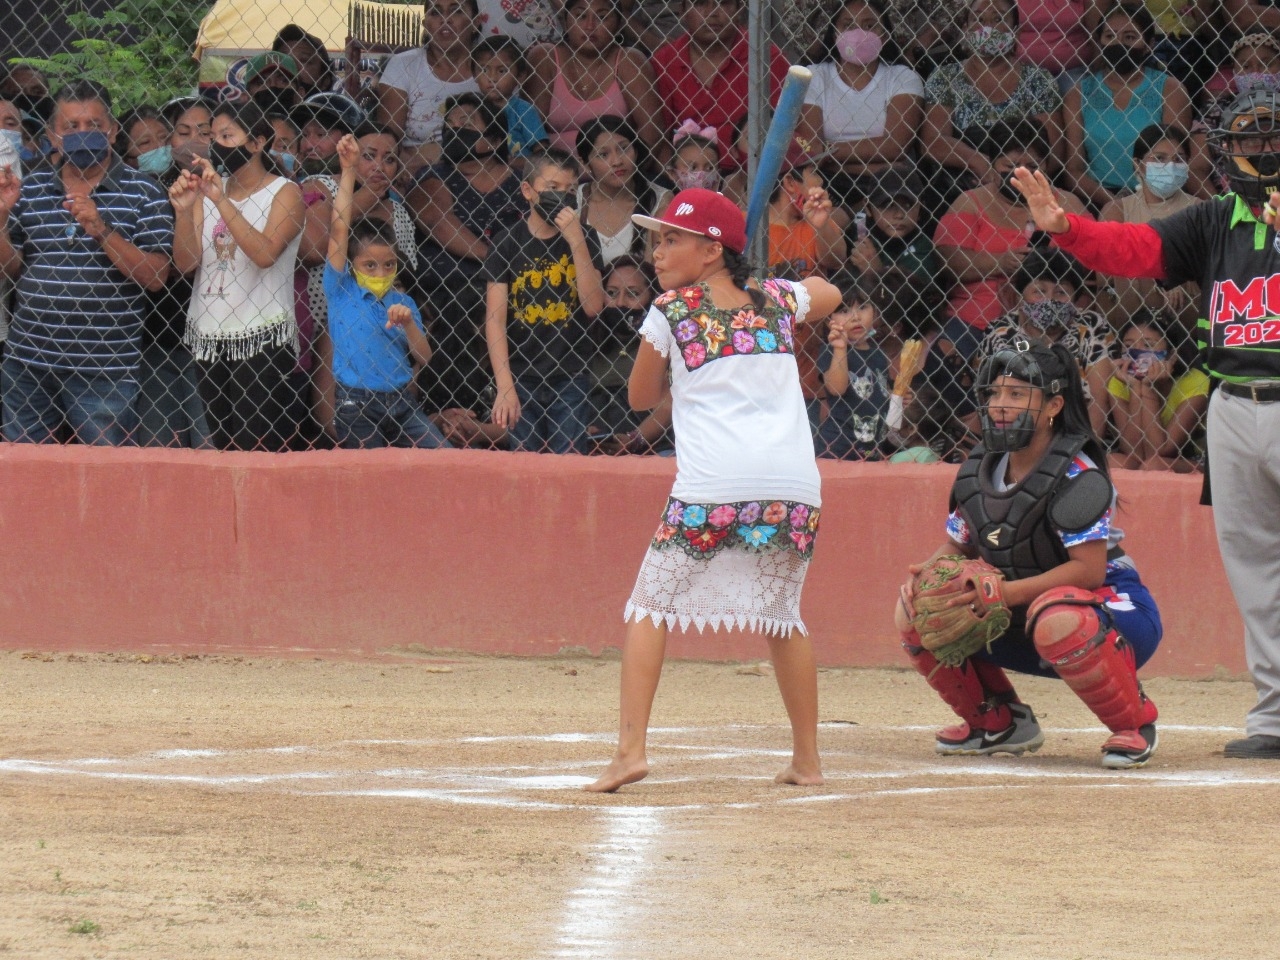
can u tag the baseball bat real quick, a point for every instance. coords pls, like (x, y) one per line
(776, 143)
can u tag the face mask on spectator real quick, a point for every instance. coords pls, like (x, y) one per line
(1050, 314)
(185, 153)
(14, 138)
(285, 161)
(1245, 82)
(227, 160)
(990, 41)
(1007, 189)
(1165, 179)
(1122, 59)
(156, 161)
(458, 145)
(859, 46)
(85, 148)
(270, 98)
(551, 202)
(622, 319)
(378, 286)
(41, 107)
(697, 180)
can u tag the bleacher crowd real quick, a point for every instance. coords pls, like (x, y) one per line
(446, 256)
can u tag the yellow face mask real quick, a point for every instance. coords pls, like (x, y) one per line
(378, 286)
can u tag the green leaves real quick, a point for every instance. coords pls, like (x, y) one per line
(140, 50)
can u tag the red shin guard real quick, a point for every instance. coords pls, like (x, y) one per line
(1090, 656)
(977, 691)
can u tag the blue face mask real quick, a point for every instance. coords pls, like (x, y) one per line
(86, 148)
(286, 161)
(1165, 179)
(156, 161)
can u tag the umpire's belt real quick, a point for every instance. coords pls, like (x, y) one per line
(1269, 393)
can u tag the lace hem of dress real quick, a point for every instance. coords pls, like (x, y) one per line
(704, 529)
(769, 626)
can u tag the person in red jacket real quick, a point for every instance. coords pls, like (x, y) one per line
(1229, 246)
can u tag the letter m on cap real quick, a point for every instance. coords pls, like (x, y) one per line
(684, 209)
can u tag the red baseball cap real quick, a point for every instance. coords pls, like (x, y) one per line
(704, 212)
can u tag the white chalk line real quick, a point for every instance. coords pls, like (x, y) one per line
(509, 785)
(597, 912)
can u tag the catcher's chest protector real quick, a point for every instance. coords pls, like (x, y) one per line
(1011, 530)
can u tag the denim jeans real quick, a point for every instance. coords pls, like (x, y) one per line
(98, 408)
(376, 418)
(170, 411)
(553, 415)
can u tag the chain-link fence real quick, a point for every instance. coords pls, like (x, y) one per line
(439, 294)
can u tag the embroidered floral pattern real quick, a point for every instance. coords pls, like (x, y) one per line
(703, 530)
(706, 333)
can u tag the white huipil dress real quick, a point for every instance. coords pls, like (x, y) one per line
(734, 543)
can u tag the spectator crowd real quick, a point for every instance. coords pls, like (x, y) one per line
(447, 258)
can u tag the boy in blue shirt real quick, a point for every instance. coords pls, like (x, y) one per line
(500, 69)
(374, 329)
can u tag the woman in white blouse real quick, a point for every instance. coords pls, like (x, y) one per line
(863, 111)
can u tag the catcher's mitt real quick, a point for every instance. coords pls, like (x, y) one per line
(954, 633)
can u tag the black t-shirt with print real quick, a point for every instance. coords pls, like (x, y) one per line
(545, 322)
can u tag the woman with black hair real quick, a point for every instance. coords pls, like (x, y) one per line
(614, 158)
(862, 106)
(1036, 501)
(1112, 104)
(459, 204)
(237, 228)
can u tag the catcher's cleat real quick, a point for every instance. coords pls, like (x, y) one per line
(1023, 735)
(1130, 749)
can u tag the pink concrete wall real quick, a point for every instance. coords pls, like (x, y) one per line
(344, 553)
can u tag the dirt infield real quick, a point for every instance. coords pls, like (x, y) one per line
(219, 807)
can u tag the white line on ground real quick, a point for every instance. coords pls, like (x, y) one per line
(596, 912)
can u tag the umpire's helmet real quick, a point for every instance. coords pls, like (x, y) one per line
(1248, 141)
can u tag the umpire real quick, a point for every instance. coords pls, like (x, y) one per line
(1228, 245)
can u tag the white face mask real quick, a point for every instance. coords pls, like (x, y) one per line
(990, 41)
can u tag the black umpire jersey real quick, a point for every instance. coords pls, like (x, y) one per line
(1235, 258)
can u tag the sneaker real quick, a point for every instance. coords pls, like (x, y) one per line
(1021, 736)
(1260, 746)
(1130, 749)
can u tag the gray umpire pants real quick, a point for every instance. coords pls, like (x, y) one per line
(1244, 470)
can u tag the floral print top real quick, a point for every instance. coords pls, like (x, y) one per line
(705, 332)
(949, 86)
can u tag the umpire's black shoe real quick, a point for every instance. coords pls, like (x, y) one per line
(1261, 746)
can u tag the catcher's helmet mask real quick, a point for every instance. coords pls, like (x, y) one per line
(1026, 362)
(1248, 142)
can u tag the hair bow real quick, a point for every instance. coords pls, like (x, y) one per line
(690, 128)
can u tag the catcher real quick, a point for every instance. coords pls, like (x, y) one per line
(1032, 577)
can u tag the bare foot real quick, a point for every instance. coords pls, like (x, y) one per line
(801, 777)
(619, 773)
